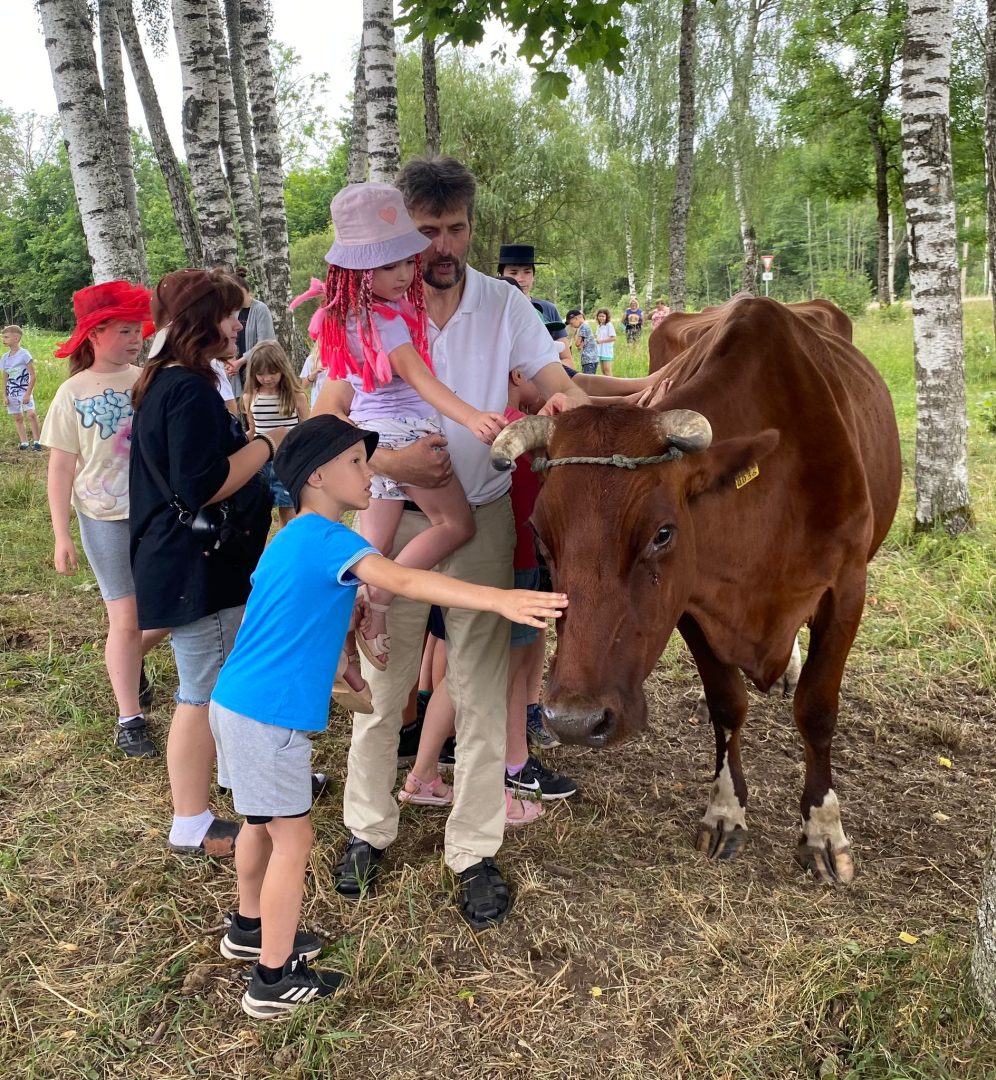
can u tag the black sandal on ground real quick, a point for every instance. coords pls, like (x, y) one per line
(484, 898)
(218, 842)
(356, 873)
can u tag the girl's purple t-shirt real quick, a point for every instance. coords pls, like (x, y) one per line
(397, 399)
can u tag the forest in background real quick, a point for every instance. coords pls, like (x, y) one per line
(590, 178)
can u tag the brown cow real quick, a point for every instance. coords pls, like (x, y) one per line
(787, 484)
(680, 330)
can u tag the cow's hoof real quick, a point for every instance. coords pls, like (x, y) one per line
(721, 842)
(827, 866)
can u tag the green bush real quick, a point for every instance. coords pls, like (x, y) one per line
(987, 412)
(979, 352)
(850, 294)
(891, 313)
(307, 260)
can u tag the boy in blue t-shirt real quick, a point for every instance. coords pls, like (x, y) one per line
(266, 700)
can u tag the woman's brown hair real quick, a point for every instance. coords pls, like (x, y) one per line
(194, 339)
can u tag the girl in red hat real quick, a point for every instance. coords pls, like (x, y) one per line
(88, 430)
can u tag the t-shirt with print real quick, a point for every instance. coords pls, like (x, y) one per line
(395, 400)
(586, 343)
(15, 364)
(633, 319)
(525, 492)
(91, 417)
(284, 661)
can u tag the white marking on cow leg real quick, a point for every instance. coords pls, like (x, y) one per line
(723, 802)
(823, 823)
(701, 713)
(785, 686)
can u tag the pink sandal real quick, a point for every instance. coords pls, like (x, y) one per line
(521, 811)
(418, 792)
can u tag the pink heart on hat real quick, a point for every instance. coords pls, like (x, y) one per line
(389, 214)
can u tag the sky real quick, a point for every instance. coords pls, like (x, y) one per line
(324, 34)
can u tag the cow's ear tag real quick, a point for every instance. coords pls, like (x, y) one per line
(748, 474)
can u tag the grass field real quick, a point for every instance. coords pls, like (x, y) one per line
(628, 955)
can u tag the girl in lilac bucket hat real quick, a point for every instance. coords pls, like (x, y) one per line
(373, 331)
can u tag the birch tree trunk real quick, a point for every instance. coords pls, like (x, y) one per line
(991, 141)
(233, 153)
(383, 137)
(269, 170)
(170, 167)
(941, 469)
(652, 261)
(984, 951)
(682, 199)
(882, 207)
(356, 168)
(630, 271)
(116, 105)
(430, 94)
(891, 268)
(201, 131)
(69, 41)
(237, 66)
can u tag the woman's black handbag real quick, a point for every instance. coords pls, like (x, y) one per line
(236, 527)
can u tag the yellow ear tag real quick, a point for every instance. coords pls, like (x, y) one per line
(745, 477)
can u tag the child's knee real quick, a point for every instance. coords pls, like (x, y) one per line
(465, 529)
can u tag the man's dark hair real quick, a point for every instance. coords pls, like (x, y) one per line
(440, 185)
(502, 267)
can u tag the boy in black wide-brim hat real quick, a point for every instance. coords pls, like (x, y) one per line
(518, 261)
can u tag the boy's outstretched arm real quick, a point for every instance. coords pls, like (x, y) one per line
(516, 605)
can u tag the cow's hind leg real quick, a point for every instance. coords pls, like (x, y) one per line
(823, 848)
(724, 823)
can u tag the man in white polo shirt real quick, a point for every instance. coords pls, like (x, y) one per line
(479, 330)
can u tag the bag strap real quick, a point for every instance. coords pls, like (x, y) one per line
(172, 499)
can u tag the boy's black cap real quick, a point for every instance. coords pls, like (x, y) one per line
(574, 311)
(309, 445)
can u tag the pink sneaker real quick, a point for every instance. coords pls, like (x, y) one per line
(418, 792)
(521, 811)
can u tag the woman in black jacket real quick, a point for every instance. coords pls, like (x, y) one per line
(190, 463)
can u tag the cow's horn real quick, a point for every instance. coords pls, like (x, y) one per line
(688, 431)
(521, 436)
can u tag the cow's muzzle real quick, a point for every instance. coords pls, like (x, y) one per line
(596, 728)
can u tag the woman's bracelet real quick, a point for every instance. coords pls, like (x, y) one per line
(269, 442)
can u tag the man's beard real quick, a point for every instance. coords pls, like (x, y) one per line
(459, 269)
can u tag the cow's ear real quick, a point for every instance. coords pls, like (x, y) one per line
(728, 463)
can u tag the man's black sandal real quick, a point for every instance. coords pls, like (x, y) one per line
(356, 873)
(484, 899)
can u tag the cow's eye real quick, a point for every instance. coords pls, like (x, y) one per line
(663, 537)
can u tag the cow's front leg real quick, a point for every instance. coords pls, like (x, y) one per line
(724, 823)
(824, 849)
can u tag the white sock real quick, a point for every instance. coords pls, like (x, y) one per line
(189, 831)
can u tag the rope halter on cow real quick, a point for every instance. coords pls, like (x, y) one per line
(680, 430)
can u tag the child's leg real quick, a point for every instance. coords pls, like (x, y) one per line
(516, 748)
(33, 421)
(123, 653)
(607, 368)
(152, 638)
(379, 522)
(252, 855)
(439, 719)
(425, 676)
(19, 424)
(283, 887)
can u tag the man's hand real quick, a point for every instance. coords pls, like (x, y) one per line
(424, 464)
(561, 403)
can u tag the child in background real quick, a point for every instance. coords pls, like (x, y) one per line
(18, 386)
(605, 337)
(313, 375)
(273, 399)
(373, 331)
(584, 342)
(524, 773)
(660, 312)
(88, 429)
(266, 701)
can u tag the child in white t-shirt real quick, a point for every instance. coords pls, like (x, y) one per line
(18, 386)
(605, 337)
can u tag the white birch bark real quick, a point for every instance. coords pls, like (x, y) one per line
(682, 199)
(237, 66)
(201, 132)
(69, 42)
(269, 170)
(990, 137)
(652, 262)
(984, 951)
(941, 469)
(630, 270)
(383, 137)
(356, 168)
(116, 105)
(233, 153)
(175, 184)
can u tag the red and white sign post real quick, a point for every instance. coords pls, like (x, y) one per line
(767, 261)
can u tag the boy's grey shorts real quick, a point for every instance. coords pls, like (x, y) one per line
(106, 545)
(267, 767)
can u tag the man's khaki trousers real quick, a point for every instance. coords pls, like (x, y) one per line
(477, 646)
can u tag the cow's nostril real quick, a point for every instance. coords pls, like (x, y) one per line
(603, 730)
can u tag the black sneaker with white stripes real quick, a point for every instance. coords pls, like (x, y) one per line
(133, 739)
(534, 779)
(298, 985)
(241, 944)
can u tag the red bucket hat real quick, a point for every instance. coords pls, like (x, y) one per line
(111, 300)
